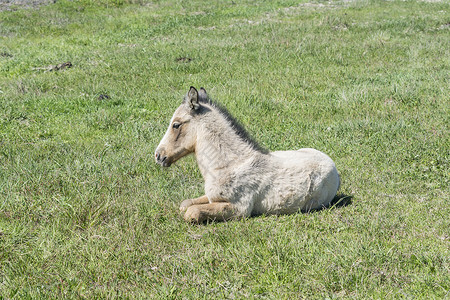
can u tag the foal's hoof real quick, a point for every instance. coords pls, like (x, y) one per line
(193, 215)
(185, 204)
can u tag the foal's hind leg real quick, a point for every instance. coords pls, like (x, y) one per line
(189, 202)
(219, 211)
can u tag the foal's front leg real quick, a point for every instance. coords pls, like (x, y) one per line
(219, 211)
(189, 202)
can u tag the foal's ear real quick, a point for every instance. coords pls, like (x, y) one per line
(202, 93)
(192, 98)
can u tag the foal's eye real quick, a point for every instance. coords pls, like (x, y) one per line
(176, 125)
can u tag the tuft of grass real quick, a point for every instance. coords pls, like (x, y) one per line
(85, 212)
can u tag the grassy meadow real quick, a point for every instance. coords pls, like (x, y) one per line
(86, 213)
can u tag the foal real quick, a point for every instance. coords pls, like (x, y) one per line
(242, 179)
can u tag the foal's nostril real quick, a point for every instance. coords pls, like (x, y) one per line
(159, 159)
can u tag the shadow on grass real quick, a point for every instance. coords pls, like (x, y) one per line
(340, 200)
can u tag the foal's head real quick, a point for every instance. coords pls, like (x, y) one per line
(181, 136)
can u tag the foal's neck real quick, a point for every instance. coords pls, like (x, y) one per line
(219, 146)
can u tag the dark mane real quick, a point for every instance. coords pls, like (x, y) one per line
(235, 125)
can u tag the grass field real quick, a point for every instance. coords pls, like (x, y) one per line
(85, 212)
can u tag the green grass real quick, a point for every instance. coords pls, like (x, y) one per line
(85, 212)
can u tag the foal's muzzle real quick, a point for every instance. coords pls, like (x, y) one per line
(161, 159)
